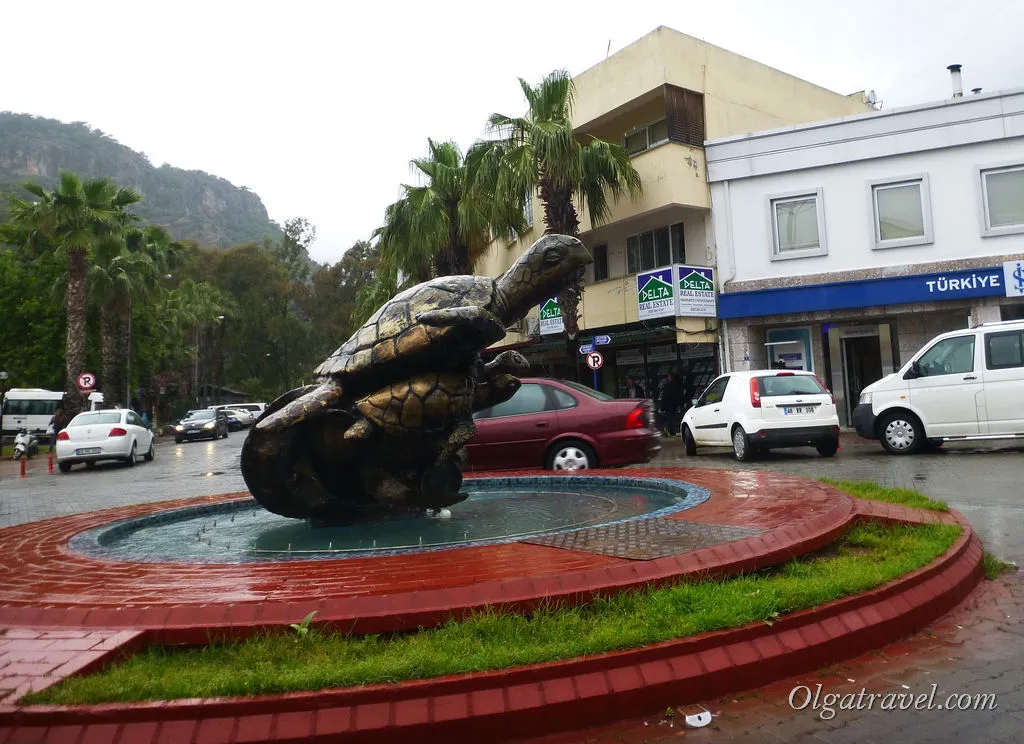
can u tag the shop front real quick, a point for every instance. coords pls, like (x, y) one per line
(853, 333)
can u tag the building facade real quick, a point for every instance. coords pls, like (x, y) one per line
(844, 246)
(647, 294)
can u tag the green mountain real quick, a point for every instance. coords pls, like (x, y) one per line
(192, 205)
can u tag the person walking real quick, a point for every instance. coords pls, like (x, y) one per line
(633, 389)
(57, 424)
(671, 397)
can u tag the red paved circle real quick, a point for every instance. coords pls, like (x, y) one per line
(49, 585)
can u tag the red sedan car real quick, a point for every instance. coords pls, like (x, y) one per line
(562, 425)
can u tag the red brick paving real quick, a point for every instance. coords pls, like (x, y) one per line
(185, 603)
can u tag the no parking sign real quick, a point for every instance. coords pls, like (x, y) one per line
(86, 381)
(594, 360)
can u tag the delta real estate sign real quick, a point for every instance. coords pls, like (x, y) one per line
(687, 291)
(551, 317)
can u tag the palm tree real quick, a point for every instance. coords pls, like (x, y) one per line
(443, 224)
(116, 279)
(73, 219)
(539, 152)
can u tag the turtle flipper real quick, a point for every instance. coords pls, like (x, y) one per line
(463, 432)
(312, 404)
(480, 318)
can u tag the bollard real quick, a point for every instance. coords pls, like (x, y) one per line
(23, 468)
(49, 463)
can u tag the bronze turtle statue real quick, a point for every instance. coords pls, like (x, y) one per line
(441, 324)
(384, 428)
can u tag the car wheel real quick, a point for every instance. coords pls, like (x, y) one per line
(130, 462)
(689, 445)
(148, 457)
(741, 446)
(901, 433)
(571, 455)
(178, 440)
(828, 448)
(90, 465)
(226, 432)
(64, 467)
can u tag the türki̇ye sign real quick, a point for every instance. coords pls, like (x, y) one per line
(687, 291)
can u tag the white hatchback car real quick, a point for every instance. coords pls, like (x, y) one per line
(757, 410)
(114, 434)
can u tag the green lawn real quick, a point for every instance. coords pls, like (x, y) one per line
(870, 555)
(875, 492)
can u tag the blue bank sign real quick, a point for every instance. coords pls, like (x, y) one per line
(897, 290)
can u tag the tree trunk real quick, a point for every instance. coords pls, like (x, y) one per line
(75, 304)
(561, 219)
(109, 381)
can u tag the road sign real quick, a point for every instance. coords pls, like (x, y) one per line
(586, 348)
(602, 340)
(594, 360)
(86, 381)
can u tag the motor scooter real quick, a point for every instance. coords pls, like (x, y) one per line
(25, 445)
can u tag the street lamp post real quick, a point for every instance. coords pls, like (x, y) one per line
(128, 365)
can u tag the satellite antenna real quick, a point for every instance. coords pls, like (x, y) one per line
(608, 51)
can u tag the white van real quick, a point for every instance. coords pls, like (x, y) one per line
(32, 409)
(962, 385)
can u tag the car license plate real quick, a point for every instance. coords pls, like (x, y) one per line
(88, 451)
(797, 409)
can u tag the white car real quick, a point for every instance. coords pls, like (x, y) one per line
(116, 434)
(245, 418)
(961, 386)
(757, 410)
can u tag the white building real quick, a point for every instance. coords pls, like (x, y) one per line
(843, 246)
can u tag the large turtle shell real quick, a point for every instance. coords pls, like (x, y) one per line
(392, 334)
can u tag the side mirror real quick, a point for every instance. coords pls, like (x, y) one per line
(914, 372)
(693, 401)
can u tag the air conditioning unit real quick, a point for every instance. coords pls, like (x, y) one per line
(531, 326)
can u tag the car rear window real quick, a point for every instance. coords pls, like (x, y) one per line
(776, 385)
(93, 419)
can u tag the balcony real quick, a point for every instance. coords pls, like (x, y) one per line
(671, 174)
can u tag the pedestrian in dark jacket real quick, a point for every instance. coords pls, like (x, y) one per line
(633, 389)
(671, 398)
(57, 423)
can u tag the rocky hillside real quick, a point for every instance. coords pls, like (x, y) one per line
(193, 205)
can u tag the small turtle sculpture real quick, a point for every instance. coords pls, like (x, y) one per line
(386, 424)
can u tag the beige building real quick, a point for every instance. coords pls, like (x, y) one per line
(662, 97)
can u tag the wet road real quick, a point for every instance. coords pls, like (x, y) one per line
(987, 485)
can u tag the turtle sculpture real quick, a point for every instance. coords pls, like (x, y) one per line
(384, 427)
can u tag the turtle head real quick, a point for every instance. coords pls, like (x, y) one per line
(544, 270)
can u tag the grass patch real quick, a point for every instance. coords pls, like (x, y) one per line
(869, 555)
(875, 492)
(994, 568)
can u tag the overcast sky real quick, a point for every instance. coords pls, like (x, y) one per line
(318, 106)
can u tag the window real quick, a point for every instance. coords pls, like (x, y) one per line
(563, 400)
(654, 249)
(951, 356)
(798, 225)
(790, 385)
(528, 210)
(28, 407)
(902, 209)
(530, 398)
(715, 392)
(1003, 200)
(644, 138)
(92, 419)
(586, 391)
(600, 263)
(1004, 350)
